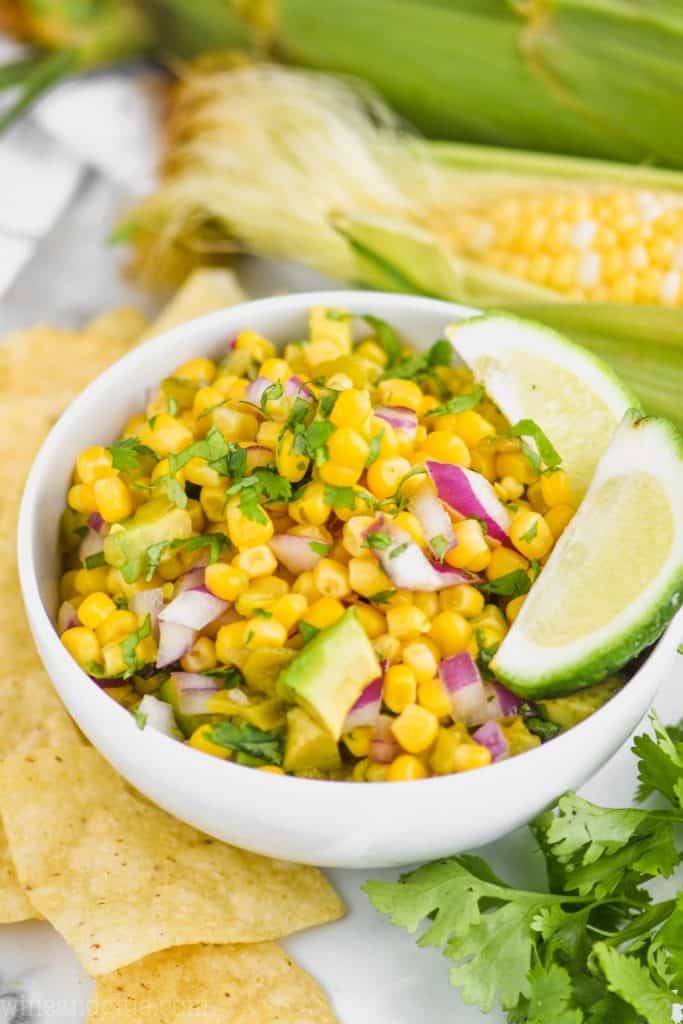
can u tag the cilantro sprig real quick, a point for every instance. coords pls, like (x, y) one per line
(544, 453)
(589, 947)
(264, 747)
(127, 453)
(459, 403)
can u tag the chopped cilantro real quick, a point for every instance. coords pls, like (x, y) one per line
(126, 454)
(319, 548)
(230, 675)
(260, 486)
(539, 727)
(271, 394)
(140, 719)
(175, 491)
(459, 403)
(440, 545)
(263, 613)
(382, 596)
(399, 499)
(121, 601)
(374, 448)
(247, 739)
(327, 402)
(529, 535)
(340, 497)
(378, 541)
(308, 631)
(512, 584)
(95, 561)
(129, 645)
(545, 454)
(399, 549)
(226, 457)
(216, 543)
(418, 367)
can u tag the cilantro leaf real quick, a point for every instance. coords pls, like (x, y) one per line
(459, 403)
(217, 543)
(440, 546)
(340, 497)
(386, 337)
(140, 719)
(126, 453)
(418, 367)
(271, 394)
(529, 428)
(382, 596)
(399, 549)
(377, 541)
(374, 449)
(551, 1000)
(95, 561)
(227, 457)
(318, 547)
(629, 979)
(129, 645)
(530, 533)
(327, 402)
(660, 762)
(512, 584)
(247, 739)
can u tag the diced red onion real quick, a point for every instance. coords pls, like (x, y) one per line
(96, 522)
(294, 387)
(158, 715)
(92, 544)
(295, 552)
(434, 520)
(256, 389)
(398, 417)
(110, 684)
(383, 744)
(462, 680)
(67, 617)
(174, 642)
(194, 691)
(410, 569)
(149, 602)
(191, 580)
(367, 708)
(508, 702)
(492, 736)
(194, 608)
(471, 494)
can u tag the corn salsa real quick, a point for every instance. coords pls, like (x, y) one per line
(306, 562)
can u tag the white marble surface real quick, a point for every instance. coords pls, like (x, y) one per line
(373, 972)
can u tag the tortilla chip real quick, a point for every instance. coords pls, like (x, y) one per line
(119, 878)
(31, 713)
(205, 290)
(256, 984)
(14, 904)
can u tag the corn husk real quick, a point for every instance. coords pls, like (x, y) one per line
(301, 166)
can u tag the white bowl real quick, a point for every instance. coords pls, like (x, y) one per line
(327, 823)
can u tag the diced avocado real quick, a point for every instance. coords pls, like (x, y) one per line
(153, 522)
(263, 666)
(309, 747)
(328, 676)
(569, 711)
(187, 723)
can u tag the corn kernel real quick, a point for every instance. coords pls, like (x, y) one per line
(264, 633)
(405, 768)
(262, 594)
(245, 532)
(427, 602)
(94, 464)
(514, 607)
(472, 427)
(400, 687)
(447, 447)
(289, 608)
(166, 435)
(557, 518)
(201, 657)
(451, 633)
(407, 622)
(323, 613)
(358, 740)
(385, 475)
(432, 695)
(509, 489)
(421, 659)
(412, 526)
(483, 460)
(113, 499)
(469, 756)
(304, 584)
(81, 498)
(235, 425)
(401, 392)
(348, 453)
(200, 741)
(517, 465)
(387, 648)
(463, 598)
(95, 608)
(269, 434)
(331, 579)
(366, 576)
(290, 464)
(373, 352)
(82, 644)
(415, 728)
(255, 344)
(503, 562)
(198, 471)
(375, 772)
(88, 581)
(354, 533)
(225, 581)
(442, 760)
(359, 770)
(113, 661)
(311, 507)
(118, 625)
(275, 369)
(171, 568)
(256, 561)
(202, 370)
(530, 534)
(371, 619)
(471, 550)
(352, 408)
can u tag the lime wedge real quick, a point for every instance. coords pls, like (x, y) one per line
(615, 577)
(532, 372)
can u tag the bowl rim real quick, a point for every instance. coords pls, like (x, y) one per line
(41, 623)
